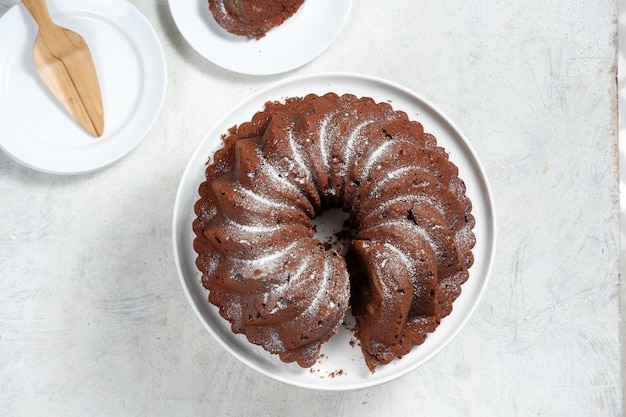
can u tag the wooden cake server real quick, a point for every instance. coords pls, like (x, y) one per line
(66, 66)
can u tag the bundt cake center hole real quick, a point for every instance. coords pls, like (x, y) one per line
(334, 229)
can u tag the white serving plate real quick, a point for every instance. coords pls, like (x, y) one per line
(297, 41)
(342, 366)
(36, 130)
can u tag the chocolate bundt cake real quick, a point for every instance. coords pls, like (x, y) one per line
(252, 18)
(277, 284)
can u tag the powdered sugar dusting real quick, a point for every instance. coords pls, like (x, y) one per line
(378, 153)
(298, 155)
(233, 310)
(273, 342)
(391, 175)
(269, 257)
(323, 133)
(294, 280)
(277, 179)
(211, 212)
(405, 259)
(464, 238)
(399, 199)
(349, 146)
(221, 10)
(261, 199)
(213, 263)
(252, 229)
(416, 229)
(323, 287)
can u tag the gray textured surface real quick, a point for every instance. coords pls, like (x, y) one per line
(93, 320)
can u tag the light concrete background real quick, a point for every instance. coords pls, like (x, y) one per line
(93, 320)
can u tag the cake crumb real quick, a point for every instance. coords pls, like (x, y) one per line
(335, 373)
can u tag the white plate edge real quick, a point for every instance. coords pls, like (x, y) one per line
(490, 209)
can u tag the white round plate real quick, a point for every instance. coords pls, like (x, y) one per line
(297, 41)
(342, 366)
(36, 130)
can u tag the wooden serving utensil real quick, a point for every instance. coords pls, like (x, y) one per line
(65, 65)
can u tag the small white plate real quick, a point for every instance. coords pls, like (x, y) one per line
(297, 41)
(36, 130)
(342, 366)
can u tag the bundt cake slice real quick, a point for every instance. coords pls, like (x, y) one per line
(419, 260)
(382, 297)
(252, 18)
(303, 336)
(254, 172)
(352, 131)
(282, 150)
(314, 130)
(286, 304)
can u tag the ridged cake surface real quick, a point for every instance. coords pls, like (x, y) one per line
(277, 284)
